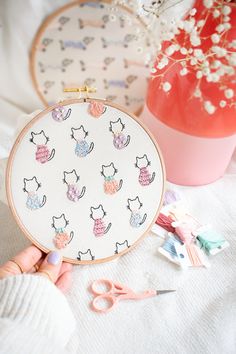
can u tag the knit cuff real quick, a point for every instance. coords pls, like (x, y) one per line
(35, 302)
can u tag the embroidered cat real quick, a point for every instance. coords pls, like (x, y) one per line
(73, 192)
(43, 154)
(134, 205)
(34, 201)
(120, 141)
(99, 228)
(85, 256)
(111, 185)
(82, 147)
(96, 109)
(61, 113)
(120, 247)
(62, 238)
(145, 177)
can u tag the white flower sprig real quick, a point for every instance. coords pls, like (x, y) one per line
(211, 59)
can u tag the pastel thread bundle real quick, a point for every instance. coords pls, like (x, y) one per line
(186, 236)
(210, 240)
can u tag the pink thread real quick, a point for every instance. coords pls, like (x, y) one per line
(144, 176)
(165, 222)
(99, 227)
(42, 153)
(61, 240)
(73, 193)
(184, 232)
(193, 254)
(111, 187)
(96, 109)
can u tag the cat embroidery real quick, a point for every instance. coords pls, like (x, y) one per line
(134, 205)
(60, 113)
(145, 177)
(99, 228)
(96, 109)
(111, 185)
(34, 201)
(82, 148)
(85, 256)
(120, 247)
(120, 141)
(73, 192)
(62, 238)
(43, 154)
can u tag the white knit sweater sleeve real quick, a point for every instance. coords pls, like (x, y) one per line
(35, 317)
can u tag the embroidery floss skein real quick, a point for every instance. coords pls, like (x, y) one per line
(165, 222)
(171, 196)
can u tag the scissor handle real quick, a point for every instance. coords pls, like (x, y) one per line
(105, 282)
(110, 302)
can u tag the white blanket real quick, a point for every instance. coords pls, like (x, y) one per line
(201, 316)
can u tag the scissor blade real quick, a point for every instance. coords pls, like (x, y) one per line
(161, 292)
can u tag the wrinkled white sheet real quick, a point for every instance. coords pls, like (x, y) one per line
(201, 316)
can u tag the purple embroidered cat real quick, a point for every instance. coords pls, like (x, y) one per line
(73, 192)
(120, 141)
(61, 113)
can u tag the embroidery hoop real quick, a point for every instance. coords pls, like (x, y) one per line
(13, 153)
(136, 93)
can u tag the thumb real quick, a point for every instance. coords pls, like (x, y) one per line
(51, 266)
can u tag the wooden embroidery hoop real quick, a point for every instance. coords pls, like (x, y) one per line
(18, 141)
(43, 27)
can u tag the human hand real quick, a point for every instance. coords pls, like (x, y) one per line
(33, 261)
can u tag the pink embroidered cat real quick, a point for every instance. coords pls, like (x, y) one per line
(62, 238)
(96, 108)
(111, 185)
(145, 177)
(120, 141)
(99, 228)
(43, 154)
(73, 192)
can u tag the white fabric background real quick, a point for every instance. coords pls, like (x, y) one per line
(201, 316)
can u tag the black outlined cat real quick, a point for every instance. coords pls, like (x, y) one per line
(61, 113)
(120, 247)
(136, 220)
(34, 201)
(73, 192)
(42, 154)
(85, 256)
(145, 178)
(62, 238)
(100, 228)
(120, 141)
(111, 185)
(82, 148)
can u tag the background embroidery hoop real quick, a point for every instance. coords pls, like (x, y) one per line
(134, 127)
(115, 74)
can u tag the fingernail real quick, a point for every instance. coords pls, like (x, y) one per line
(54, 258)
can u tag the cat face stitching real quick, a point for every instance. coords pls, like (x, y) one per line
(134, 204)
(70, 177)
(117, 126)
(142, 162)
(79, 133)
(31, 185)
(109, 170)
(39, 138)
(97, 213)
(59, 222)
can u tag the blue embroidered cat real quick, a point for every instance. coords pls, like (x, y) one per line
(82, 148)
(136, 220)
(34, 201)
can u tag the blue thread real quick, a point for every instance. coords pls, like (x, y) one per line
(34, 202)
(82, 148)
(74, 44)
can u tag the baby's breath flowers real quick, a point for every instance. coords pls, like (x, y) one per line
(207, 53)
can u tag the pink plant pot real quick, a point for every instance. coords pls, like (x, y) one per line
(190, 160)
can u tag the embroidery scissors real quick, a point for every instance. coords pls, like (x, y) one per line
(115, 292)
